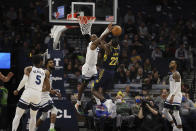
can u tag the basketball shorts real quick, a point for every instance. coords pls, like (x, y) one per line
(176, 102)
(88, 73)
(30, 99)
(46, 102)
(104, 79)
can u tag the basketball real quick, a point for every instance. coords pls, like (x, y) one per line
(117, 30)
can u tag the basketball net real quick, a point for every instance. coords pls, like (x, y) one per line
(86, 24)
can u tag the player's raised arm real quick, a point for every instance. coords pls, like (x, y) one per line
(27, 71)
(6, 78)
(96, 41)
(106, 32)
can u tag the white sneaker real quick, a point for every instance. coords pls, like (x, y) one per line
(177, 129)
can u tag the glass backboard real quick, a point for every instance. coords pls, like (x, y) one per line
(67, 11)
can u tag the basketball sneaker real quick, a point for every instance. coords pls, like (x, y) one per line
(52, 129)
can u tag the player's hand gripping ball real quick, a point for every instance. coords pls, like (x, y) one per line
(116, 30)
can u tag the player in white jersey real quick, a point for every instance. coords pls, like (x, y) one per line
(174, 98)
(89, 69)
(34, 78)
(46, 101)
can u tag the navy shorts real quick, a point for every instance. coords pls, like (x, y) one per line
(105, 79)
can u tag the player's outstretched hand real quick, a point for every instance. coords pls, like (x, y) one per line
(10, 74)
(15, 92)
(110, 27)
(59, 95)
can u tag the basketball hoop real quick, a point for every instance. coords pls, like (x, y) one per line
(86, 23)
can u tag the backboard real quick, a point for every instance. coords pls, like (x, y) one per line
(67, 11)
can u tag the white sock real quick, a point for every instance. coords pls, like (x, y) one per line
(16, 121)
(78, 102)
(51, 125)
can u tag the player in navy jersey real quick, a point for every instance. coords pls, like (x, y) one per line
(106, 75)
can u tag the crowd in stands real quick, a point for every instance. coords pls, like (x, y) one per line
(144, 113)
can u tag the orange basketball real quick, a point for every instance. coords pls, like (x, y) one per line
(116, 30)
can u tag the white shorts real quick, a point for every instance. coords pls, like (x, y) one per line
(45, 97)
(177, 98)
(46, 102)
(30, 99)
(89, 71)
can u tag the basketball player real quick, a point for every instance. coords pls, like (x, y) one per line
(89, 70)
(46, 101)
(174, 99)
(106, 75)
(34, 77)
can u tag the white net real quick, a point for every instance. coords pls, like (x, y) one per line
(86, 24)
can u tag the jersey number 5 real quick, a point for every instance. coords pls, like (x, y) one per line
(38, 79)
(114, 61)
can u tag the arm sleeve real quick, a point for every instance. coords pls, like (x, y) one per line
(104, 33)
(22, 82)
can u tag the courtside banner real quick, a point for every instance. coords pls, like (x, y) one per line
(66, 117)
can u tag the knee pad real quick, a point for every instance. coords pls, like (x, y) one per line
(44, 116)
(54, 110)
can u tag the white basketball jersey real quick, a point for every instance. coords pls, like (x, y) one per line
(174, 86)
(91, 55)
(36, 79)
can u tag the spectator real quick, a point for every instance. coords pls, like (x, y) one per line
(127, 93)
(139, 77)
(147, 66)
(187, 111)
(132, 72)
(187, 105)
(157, 53)
(11, 14)
(150, 117)
(135, 57)
(143, 30)
(168, 53)
(182, 56)
(3, 99)
(161, 99)
(123, 111)
(137, 44)
(156, 79)
(128, 77)
(129, 16)
(130, 28)
(121, 75)
(136, 106)
(153, 45)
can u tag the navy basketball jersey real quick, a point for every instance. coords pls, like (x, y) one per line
(111, 60)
